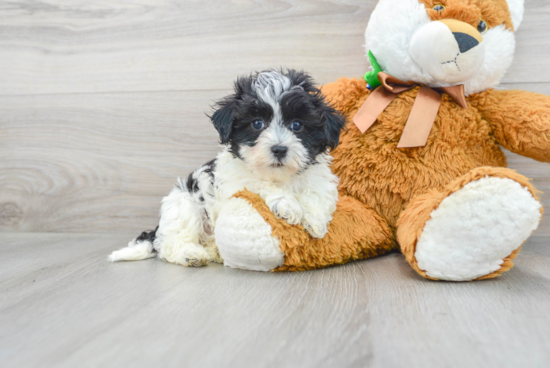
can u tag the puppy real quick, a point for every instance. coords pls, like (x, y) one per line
(276, 131)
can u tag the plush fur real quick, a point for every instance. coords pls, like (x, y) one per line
(417, 196)
(254, 248)
(276, 130)
(501, 206)
(355, 232)
(413, 220)
(401, 36)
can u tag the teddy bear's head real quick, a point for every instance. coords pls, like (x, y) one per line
(445, 42)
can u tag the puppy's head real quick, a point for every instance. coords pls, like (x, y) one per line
(277, 121)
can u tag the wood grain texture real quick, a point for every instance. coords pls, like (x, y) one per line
(102, 103)
(55, 46)
(81, 162)
(102, 162)
(63, 305)
(102, 106)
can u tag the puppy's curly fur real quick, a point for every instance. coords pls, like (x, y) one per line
(276, 130)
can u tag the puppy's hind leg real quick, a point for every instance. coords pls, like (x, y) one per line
(180, 229)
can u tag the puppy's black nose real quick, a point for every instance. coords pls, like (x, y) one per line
(279, 151)
(465, 41)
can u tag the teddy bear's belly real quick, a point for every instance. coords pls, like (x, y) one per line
(373, 170)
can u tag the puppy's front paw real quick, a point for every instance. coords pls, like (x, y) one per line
(287, 208)
(316, 227)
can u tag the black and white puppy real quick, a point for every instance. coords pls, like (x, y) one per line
(276, 130)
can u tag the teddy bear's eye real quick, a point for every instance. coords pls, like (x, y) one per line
(482, 26)
(439, 8)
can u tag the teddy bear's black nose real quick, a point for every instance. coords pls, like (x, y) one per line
(465, 41)
(279, 151)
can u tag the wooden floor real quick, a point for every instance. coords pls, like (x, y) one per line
(63, 305)
(102, 106)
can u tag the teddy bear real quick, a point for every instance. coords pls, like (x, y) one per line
(420, 165)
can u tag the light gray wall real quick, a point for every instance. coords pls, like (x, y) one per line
(102, 104)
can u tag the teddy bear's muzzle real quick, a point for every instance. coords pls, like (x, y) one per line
(449, 50)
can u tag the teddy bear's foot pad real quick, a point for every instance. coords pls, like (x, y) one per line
(244, 238)
(475, 228)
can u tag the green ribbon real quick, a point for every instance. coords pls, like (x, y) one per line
(372, 77)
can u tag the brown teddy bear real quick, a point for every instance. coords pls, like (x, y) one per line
(420, 166)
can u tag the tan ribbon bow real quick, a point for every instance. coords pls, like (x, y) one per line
(423, 113)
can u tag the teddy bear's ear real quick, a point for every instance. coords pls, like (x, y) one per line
(516, 11)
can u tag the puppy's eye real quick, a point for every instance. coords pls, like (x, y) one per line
(297, 126)
(439, 8)
(482, 26)
(258, 125)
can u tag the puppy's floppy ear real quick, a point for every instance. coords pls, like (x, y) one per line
(334, 123)
(223, 118)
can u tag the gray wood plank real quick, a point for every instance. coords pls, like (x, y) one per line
(75, 159)
(541, 87)
(63, 305)
(103, 162)
(54, 46)
(76, 162)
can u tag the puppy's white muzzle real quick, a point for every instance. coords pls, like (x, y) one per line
(449, 50)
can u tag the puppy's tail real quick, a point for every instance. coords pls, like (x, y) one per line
(138, 249)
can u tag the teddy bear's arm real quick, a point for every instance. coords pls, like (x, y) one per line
(344, 94)
(247, 229)
(520, 121)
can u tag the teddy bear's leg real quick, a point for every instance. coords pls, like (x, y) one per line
(249, 236)
(244, 238)
(473, 228)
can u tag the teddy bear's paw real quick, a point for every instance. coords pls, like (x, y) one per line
(244, 238)
(315, 226)
(287, 208)
(474, 229)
